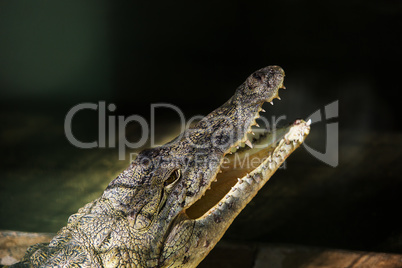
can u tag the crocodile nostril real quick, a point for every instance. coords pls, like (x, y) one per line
(258, 75)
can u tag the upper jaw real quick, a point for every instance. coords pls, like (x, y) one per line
(244, 130)
(239, 116)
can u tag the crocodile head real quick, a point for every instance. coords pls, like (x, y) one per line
(173, 203)
(180, 198)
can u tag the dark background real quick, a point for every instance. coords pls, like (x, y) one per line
(195, 54)
(56, 54)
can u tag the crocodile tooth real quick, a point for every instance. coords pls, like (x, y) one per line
(278, 98)
(271, 165)
(248, 142)
(272, 103)
(262, 110)
(257, 178)
(249, 180)
(240, 181)
(308, 122)
(257, 125)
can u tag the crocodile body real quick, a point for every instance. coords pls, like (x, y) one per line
(174, 202)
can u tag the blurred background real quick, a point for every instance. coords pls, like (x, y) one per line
(57, 54)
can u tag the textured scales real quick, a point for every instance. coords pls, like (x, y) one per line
(159, 212)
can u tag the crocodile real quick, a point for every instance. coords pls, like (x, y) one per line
(174, 202)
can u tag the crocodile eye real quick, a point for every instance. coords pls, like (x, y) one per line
(173, 177)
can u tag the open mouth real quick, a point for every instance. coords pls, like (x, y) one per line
(251, 162)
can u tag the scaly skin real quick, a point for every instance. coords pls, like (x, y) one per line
(149, 215)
